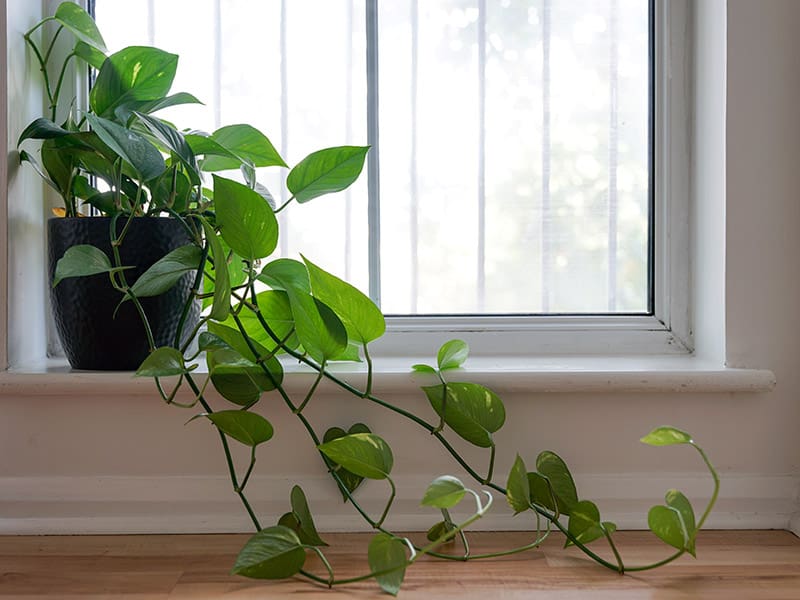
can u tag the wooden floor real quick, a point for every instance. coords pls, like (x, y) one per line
(732, 565)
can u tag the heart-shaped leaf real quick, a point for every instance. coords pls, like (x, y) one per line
(444, 492)
(306, 531)
(387, 558)
(679, 502)
(273, 553)
(167, 271)
(244, 144)
(221, 305)
(131, 147)
(93, 57)
(174, 141)
(162, 362)
(666, 436)
(452, 354)
(249, 428)
(350, 480)
(80, 261)
(471, 410)
(286, 273)
(553, 467)
(438, 530)
(584, 523)
(245, 220)
(542, 492)
(666, 523)
(518, 491)
(364, 454)
(80, 23)
(326, 171)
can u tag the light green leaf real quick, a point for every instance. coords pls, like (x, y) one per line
(666, 523)
(162, 362)
(221, 306)
(552, 466)
(364, 454)
(518, 491)
(420, 368)
(134, 73)
(167, 271)
(319, 330)
(307, 531)
(679, 502)
(471, 410)
(666, 436)
(247, 144)
(362, 319)
(584, 523)
(326, 171)
(273, 553)
(93, 57)
(80, 261)
(80, 23)
(350, 480)
(452, 354)
(245, 219)
(444, 492)
(387, 553)
(286, 273)
(131, 147)
(251, 429)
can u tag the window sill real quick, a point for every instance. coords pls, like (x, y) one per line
(505, 375)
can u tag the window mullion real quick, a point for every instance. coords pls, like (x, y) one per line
(373, 176)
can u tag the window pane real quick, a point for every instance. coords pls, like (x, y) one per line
(514, 142)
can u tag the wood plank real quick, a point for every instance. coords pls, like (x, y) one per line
(730, 564)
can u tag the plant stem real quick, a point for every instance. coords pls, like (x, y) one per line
(388, 504)
(310, 393)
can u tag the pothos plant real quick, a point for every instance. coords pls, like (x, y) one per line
(261, 311)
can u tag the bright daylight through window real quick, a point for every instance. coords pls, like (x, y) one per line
(514, 138)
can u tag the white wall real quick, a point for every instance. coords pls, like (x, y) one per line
(106, 461)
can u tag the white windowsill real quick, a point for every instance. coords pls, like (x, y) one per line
(393, 375)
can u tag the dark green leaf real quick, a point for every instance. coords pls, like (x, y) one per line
(59, 164)
(362, 319)
(679, 502)
(387, 556)
(245, 219)
(251, 429)
(364, 454)
(307, 531)
(326, 171)
(518, 491)
(134, 73)
(25, 157)
(552, 466)
(542, 492)
(666, 523)
(239, 380)
(273, 553)
(208, 341)
(666, 436)
(80, 261)
(438, 530)
(167, 271)
(140, 154)
(221, 306)
(203, 145)
(444, 492)
(318, 328)
(80, 23)
(162, 362)
(285, 273)
(126, 109)
(247, 144)
(175, 142)
(471, 410)
(584, 522)
(350, 480)
(452, 354)
(42, 129)
(93, 57)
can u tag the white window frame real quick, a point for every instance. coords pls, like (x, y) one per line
(667, 332)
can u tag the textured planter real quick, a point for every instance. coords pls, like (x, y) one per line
(92, 336)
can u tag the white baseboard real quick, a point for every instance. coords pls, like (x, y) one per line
(206, 504)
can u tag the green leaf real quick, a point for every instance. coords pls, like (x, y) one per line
(452, 354)
(326, 171)
(238, 379)
(584, 523)
(247, 144)
(167, 271)
(518, 491)
(273, 553)
(59, 164)
(174, 141)
(80, 23)
(162, 362)
(134, 73)
(362, 319)
(437, 530)
(666, 436)
(423, 369)
(93, 57)
(552, 466)
(679, 502)
(307, 531)
(80, 261)
(471, 410)
(124, 111)
(286, 273)
(275, 309)
(542, 492)
(666, 523)
(131, 147)
(364, 454)
(42, 129)
(319, 330)
(444, 492)
(251, 429)
(387, 553)
(350, 480)
(202, 145)
(221, 305)
(245, 219)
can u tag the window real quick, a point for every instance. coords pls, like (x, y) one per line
(401, 265)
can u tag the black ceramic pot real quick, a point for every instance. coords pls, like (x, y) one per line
(91, 335)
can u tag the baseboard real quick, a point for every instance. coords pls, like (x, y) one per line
(194, 504)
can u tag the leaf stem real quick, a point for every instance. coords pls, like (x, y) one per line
(388, 504)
